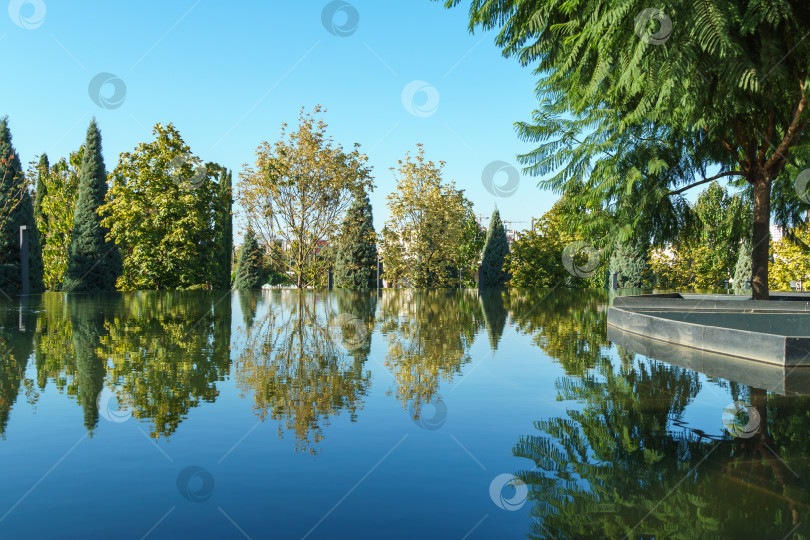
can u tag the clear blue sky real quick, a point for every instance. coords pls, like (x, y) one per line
(227, 75)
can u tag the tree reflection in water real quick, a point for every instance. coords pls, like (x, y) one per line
(165, 353)
(623, 463)
(429, 334)
(17, 326)
(303, 361)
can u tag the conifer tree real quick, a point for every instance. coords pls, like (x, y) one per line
(40, 217)
(742, 271)
(496, 248)
(630, 261)
(16, 210)
(356, 265)
(94, 262)
(250, 266)
(493, 304)
(88, 326)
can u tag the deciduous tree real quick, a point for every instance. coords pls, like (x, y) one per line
(422, 239)
(162, 211)
(61, 185)
(299, 189)
(791, 260)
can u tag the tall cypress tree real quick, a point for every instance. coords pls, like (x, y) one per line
(742, 271)
(495, 313)
(496, 249)
(631, 261)
(88, 327)
(94, 263)
(16, 210)
(356, 260)
(224, 234)
(40, 218)
(250, 268)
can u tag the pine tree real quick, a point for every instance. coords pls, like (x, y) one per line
(88, 326)
(40, 217)
(356, 265)
(742, 271)
(631, 261)
(94, 263)
(495, 312)
(250, 268)
(496, 249)
(16, 210)
(224, 234)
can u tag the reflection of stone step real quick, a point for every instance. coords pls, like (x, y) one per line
(774, 332)
(781, 380)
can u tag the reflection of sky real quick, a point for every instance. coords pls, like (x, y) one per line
(442, 477)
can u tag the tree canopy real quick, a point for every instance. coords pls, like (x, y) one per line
(249, 272)
(299, 189)
(16, 210)
(163, 209)
(639, 105)
(423, 241)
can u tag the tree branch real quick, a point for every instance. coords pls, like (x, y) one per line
(787, 140)
(706, 181)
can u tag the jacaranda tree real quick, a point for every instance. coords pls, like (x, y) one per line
(640, 104)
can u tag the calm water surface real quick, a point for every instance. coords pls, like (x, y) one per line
(399, 415)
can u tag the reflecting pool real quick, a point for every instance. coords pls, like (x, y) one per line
(398, 414)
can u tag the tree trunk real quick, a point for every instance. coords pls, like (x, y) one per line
(761, 235)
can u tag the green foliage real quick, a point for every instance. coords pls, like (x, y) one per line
(791, 260)
(356, 259)
(421, 241)
(223, 225)
(298, 190)
(536, 260)
(61, 185)
(635, 110)
(94, 262)
(704, 253)
(16, 210)
(42, 170)
(250, 273)
(630, 260)
(493, 259)
(162, 209)
(471, 247)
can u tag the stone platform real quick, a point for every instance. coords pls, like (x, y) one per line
(775, 332)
